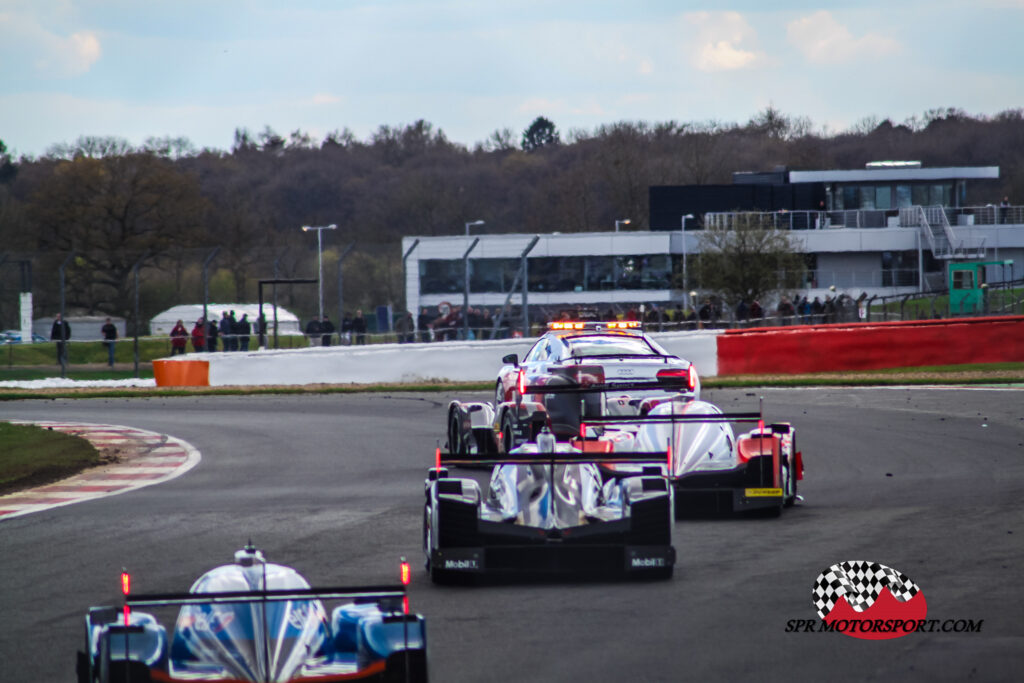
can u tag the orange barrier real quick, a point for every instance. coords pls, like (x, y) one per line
(870, 346)
(181, 373)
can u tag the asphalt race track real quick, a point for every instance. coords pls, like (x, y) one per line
(929, 481)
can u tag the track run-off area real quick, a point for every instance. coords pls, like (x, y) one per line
(926, 480)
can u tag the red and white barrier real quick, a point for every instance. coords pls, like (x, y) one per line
(769, 350)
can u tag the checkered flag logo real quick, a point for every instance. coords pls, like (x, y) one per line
(860, 583)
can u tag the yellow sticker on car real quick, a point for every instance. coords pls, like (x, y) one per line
(762, 493)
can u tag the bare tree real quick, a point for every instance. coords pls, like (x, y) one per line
(750, 260)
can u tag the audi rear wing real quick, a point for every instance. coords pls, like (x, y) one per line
(645, 385)
(554, 458)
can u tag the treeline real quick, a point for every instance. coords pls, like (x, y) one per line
(106, 209)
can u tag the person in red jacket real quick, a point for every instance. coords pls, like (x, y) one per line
(179, 336)
(199, 336)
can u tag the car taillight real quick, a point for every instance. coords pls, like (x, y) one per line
(521, 382)
(586, 374)
(405, 572)
(691, 377)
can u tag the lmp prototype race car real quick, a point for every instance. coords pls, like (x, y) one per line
(709, 467)
(257, 621)
(548, 509)
(604, 357)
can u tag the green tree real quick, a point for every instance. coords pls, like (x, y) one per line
(749, 260)
(541, 133)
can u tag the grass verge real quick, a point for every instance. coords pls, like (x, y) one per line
(32, 456)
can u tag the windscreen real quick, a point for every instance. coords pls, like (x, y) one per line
(609, 345)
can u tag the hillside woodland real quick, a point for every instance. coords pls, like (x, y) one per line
(104, 208)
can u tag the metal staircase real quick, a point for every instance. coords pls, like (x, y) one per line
(934, 224)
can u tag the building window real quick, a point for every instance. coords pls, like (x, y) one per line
(883, 197)
(899, 269)
(903, 199)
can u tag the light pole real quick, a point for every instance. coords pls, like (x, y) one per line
(624, 221)
(320, 258)
(471, 224)
(685, 218)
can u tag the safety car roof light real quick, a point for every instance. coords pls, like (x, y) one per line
(595, 325)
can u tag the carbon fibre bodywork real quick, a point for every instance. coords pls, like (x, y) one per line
(548, 510)
(257, 621)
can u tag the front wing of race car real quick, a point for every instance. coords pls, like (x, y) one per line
(460, 544)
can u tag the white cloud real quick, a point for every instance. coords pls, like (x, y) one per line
(25, 40)
(724, 41)
(823, 40)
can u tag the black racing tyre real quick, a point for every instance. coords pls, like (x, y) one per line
(507, 433)
(455, 444)
(426, 537)
(499, 394)
(789, 496)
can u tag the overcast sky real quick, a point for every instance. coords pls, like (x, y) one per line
(202, 68)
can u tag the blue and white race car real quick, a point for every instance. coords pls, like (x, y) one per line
(257, 621)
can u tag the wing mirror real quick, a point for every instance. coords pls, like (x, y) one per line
(511, 359)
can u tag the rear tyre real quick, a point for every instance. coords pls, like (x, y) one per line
(508, 438)
(455, 443)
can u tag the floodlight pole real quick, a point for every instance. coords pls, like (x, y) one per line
(683, 231)
(63, 321)
(320, 257)
(206, 284)
(465, 289)
(341, 289)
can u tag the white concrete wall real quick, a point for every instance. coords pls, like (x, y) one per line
(452, 361)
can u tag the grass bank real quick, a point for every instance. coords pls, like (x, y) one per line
(32, 456)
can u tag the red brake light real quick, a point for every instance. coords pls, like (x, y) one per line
(437, 459)
(671, 373)
(691, 377)
(521, 382)
(406, 572)
(126, 588)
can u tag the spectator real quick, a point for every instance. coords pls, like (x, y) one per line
(345, 336)
(359, 327)
(179, 337)
(60, 333)
(199, 336)
(756, 312)
(261, 329)
(804, 309)
(786, 311)
(326, 330)
(705, 313)
(211, 335)
(244, 332)
(817, 309)
(403, 327)
(313, 331)
(1004, 209)
(423, 325)
(742, 311)
(109, 331)
(227, 332)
